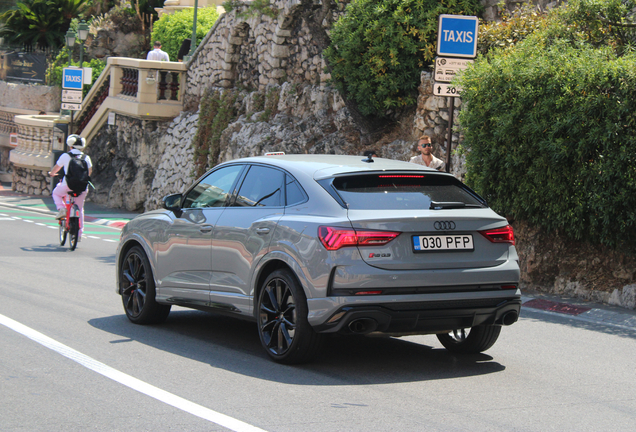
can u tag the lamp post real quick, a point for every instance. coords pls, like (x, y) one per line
(70, 43)
(193, 43)
(82, 35)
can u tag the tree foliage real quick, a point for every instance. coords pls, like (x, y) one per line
(172, 29)
(550, 124)
(379, 47)
(40, 22)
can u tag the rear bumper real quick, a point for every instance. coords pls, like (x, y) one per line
(423, 317)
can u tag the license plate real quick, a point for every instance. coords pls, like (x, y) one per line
(458, 242)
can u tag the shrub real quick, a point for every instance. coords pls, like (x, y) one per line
(172, 29)
(550, 129)
(379, 47)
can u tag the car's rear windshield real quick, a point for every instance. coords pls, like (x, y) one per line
(404, 192)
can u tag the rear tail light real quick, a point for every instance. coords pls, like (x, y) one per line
(500, 235)
(334, 238)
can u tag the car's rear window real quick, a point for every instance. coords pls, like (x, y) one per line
(404, 192)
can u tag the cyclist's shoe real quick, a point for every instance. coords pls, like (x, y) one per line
(61, 213)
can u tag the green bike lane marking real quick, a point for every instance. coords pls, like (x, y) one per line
(30, 217)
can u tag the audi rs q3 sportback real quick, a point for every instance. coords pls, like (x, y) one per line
(311, 245)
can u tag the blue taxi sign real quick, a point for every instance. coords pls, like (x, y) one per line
(457, 36)
(73, 78)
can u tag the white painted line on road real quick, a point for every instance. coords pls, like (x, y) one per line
(112, 241)
(41, 224)
(7, 218)
(94, 237)
(129, 381)
(29, 221)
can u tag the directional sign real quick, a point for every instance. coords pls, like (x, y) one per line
(445, 89)
(72, 96)
(72, 106)
(72, 78)
(447, 67)
(457, 36)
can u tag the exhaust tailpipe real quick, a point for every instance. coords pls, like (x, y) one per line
(363, 325)
(509, 318)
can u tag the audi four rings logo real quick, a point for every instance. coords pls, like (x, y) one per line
(444, 225)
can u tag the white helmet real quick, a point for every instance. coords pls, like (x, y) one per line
(76, 141)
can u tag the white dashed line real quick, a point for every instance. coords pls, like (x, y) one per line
(129, 381)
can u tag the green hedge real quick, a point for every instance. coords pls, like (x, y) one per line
(172, 29)
(551, 133)
(379, 47)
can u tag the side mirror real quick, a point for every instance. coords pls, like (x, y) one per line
(173, 203)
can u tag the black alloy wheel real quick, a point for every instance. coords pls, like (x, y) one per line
(73, 231)
(62, 230)
(137, 289)
(283, 328)
(470, 340)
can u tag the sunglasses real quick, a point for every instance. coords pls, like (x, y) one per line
(426, 145)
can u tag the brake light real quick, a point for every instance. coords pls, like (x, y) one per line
(500, 235)
(401, 176)
(334, 238)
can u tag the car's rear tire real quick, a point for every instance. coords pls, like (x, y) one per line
(283, 328)
(471, 340)
(137, 289)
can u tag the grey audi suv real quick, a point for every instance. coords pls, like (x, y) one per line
(311, 245)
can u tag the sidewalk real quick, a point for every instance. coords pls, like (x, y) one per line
(94, 213)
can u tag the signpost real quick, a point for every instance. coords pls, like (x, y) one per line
(457, 36)
(456, 45)
(445, 89)
(73, 78)
(447, 67)
(72, 85)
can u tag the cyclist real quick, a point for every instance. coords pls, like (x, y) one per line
(77, 144)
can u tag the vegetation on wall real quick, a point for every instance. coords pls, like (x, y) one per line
(172, 29)
(216, 111)
(379, 47)
(549, 124)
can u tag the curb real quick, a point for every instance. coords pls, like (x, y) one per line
(594, 315)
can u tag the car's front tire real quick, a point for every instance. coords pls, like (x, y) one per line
(283, 328)
(470, 340)
(137, 289)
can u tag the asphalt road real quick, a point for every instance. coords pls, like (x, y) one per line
(71, 361)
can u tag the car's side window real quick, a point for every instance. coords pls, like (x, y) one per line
(295, 194)
(262, 187)
(214, 189)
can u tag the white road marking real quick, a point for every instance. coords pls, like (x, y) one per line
(29, 221)
(112, 241)
(93, 237)
(129, 381)
(7, 218)
(41, 224)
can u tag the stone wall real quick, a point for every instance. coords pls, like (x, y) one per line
(30, 97)
(125, 158)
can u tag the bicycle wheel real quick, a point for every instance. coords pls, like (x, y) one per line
(73, 231)
(62, 232)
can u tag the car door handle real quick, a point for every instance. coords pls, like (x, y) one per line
(205, 228)
(262, 230)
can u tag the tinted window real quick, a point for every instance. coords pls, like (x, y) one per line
(402, 191)
(262, 187)
(214, 189)
(295, 194)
